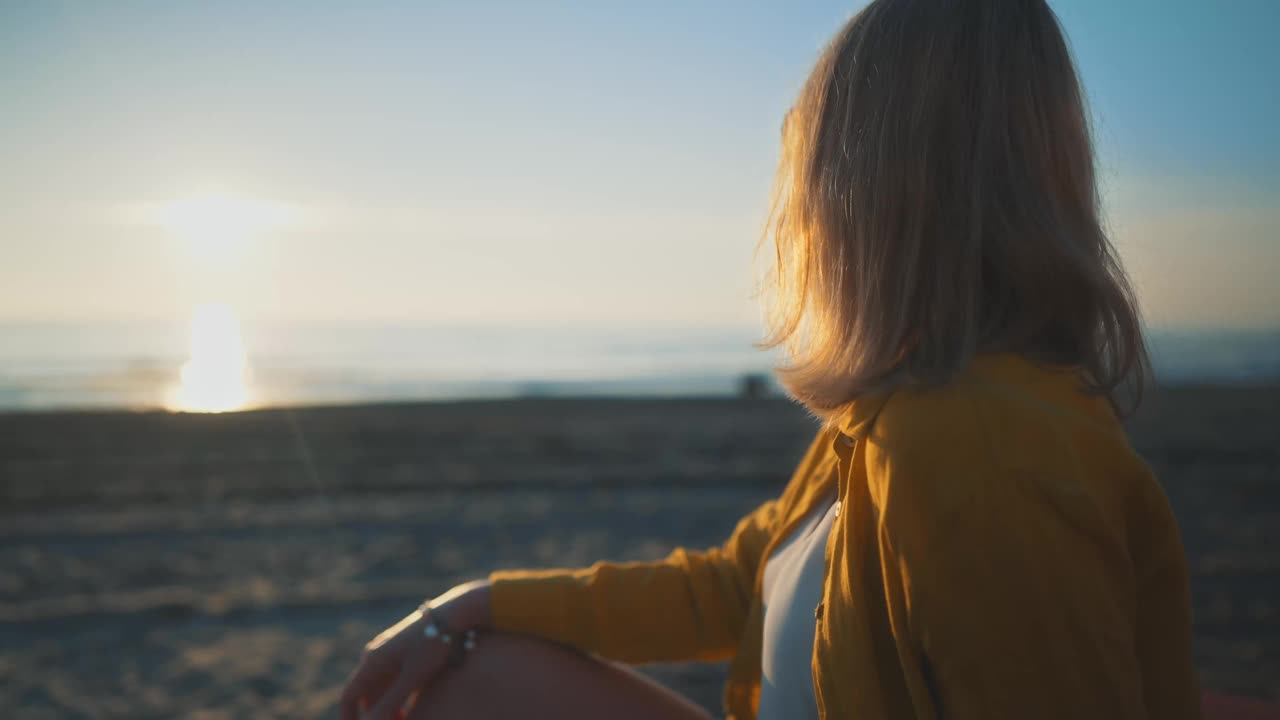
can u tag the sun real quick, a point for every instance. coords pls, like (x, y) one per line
(216, 229)
(214, 376)
(217, 226)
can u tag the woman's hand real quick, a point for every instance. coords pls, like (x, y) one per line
(401, 660)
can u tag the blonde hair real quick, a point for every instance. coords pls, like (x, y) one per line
(935, 199)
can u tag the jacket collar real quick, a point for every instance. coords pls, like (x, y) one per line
(859, 416)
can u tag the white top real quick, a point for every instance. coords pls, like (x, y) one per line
(791, 590)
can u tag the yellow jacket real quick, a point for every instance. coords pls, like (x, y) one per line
(1001, 552)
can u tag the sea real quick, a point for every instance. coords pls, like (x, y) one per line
(212, 363)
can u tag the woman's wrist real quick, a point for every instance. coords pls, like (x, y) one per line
(465, 607)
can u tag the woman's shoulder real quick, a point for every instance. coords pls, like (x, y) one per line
(998, 402)
(999, 422)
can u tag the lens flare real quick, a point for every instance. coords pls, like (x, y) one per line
(218, 227)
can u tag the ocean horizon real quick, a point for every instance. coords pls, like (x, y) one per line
(143, 366)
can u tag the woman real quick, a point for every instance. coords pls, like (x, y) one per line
(970, 535)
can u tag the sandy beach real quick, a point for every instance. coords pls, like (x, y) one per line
(231, 566)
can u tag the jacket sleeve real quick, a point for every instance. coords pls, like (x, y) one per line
(1014, 591)
(691, 605)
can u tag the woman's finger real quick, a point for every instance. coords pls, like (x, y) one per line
(374, 691)
(388, 708)
(365, 683)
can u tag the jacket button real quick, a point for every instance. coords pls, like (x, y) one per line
(817, 612)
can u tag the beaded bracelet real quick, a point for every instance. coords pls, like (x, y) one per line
(436, 629)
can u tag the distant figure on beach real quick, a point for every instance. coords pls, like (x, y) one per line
(970, 535)
(753, 386)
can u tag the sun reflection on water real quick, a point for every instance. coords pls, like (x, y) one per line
(214, 378)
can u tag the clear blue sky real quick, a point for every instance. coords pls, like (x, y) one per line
(558, 163)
